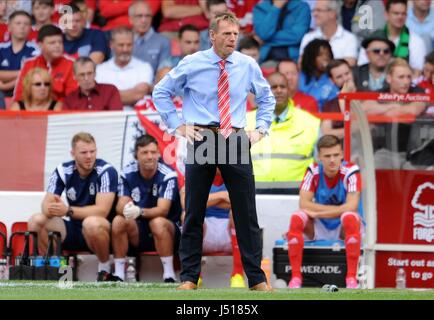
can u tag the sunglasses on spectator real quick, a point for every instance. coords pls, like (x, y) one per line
(40, 84)
(378, 51)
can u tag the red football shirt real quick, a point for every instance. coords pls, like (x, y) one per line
(305, 102)
(61, 71)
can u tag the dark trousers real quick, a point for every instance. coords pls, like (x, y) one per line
(239, 181)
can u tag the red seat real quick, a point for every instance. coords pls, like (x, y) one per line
(3, 240)
(18, 240)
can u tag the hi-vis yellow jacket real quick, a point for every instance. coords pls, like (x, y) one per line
(282, 157)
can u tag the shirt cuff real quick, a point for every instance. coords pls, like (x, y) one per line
(172, 121)
(262, 124)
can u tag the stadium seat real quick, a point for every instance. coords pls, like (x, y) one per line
(17, 240)
(3, 240)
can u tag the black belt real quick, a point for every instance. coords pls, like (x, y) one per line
(217, 129)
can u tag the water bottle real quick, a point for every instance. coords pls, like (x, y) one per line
(4, 270)
(130, 275)
(400, 279)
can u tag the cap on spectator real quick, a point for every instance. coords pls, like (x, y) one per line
(368, 40)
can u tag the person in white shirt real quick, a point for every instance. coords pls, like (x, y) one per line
(132, 77)
(343, 43)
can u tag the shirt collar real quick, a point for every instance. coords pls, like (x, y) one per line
(145, 37)
(216, 59)
(338, 34)
(287, 113)
(94, 90)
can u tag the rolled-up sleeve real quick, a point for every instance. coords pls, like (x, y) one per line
(165, 90)
(265, 99)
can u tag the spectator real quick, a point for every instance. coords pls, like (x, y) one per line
(313, 77)
(281, 159)
(3, 21)
(340, 73)
(42, 11)
(60, 67)
(420, 20)
(342, 42)
(219, 230)
(280, 25)
(243, 10)
(13, 53)
(83, 42)
(37, 93)
(361, 17)
(408, 45)
(302, 101)
(148, 209)
(132, 77)
(249, 46)
(90, 185)
(149, 46)
(189, 43)
(87, 8)
(91, 95)
(371, 76)
(177, 13)
(329, 209)
(114, 14)
(427, 82)
(17, 5)
(213, 8)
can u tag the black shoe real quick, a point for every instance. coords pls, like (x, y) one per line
(104, 276)
(169, 280)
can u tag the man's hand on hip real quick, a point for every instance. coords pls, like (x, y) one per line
(190, 132)
(254, 136)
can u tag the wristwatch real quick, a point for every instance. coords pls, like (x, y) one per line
(70, 212)
(262, 131)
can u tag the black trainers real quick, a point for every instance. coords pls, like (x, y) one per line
(106, 276)
(169, 280)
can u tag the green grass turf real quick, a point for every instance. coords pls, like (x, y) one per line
(41, 290)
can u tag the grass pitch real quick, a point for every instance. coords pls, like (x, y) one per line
(45, 290)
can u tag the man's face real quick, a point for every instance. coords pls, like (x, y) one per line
(77, 26)
(224, 40)
(290, 71)
(279, 87)
(42, 12)
(141, 20)
(20, 27)
(322, 14)
(331, 159)
(52, 47)
(84, 155)
(397, 15)
(189, 42)
(216, 9)
(122, 45)
(251, 52)
(85, 76)
(423, 5)
(379, 54)
(340, 75)
(399, 80)
(148, 156)
(428, 70)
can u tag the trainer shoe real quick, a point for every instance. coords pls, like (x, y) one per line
(237, 281)
(187, 285)
(199, 282)
(351, 283)
(295, 283)
(169, 280)
(104, 276)
(262, 286)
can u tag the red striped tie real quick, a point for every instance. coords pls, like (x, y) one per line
(223, 101)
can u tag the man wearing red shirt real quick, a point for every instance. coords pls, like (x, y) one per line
(301, 100)
(60, 67)
(91, 95)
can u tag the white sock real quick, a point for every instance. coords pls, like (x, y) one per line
(104, 266)
(168, 271)
(120, 268)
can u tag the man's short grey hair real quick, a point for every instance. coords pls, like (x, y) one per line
(120, 30)
(226, 16)
(83, 60)
(333, 5)
(132, 7)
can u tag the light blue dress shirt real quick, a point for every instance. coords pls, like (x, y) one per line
(424, 29)
(196, 79)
